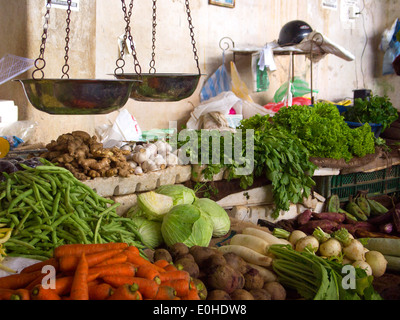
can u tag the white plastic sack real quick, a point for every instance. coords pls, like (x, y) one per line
(125, 128)
(222, 103)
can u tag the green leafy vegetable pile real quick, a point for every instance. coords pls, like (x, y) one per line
(376, 109)
(324, 133)
(316, 278)
(279, 157)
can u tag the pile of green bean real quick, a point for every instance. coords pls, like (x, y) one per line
(47, 207)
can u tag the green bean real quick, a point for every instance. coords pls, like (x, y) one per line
(52, 181)
(67, 199)
(56, 204)
(60, 220)
(67, 236)
(23, 220)
(29, 256)
(21, 243)
(46, 194)
(19, 198)
(14, 218)
(3, 195)
(8, 190)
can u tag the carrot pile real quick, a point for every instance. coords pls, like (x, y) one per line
(109, 271)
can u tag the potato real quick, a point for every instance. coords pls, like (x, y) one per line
(276, 290)
(162, 254)
(178, 249)
(253, 279)
(260, 294)
(201, 254)
(214, 261)
(201, 288)
(188, 265)
(241, 294)
(185, 256)
(149, 254)
(218, 295)
(236, 262)
(225, 278)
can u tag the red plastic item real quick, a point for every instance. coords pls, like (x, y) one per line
(275, 107)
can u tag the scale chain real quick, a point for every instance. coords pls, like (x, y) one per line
(40, 62)
(120, 61)
(153, 54)
(190, 20)
(65, 68)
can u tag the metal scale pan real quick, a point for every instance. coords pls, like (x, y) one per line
(159, 87)
(67, 96)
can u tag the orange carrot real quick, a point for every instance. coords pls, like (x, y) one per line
(165, 293)
(69, 262)
(21, 294)
(78, 249)
(136, 259)
(147, 288)
(36, 281)
(121, 269)
(39, 266)
(40, 293)
(170, 267)
(193, 294)
(6, 294)
(79, 287)
(100, 291)
(17, 281)
(181, 286)
(175, 275)
(162, 263)
(148, 272)
(117, 259)
(64, 284)
(133, 249)
(126, 292)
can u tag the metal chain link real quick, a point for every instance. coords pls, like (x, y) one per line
(121, 61)
(65, 68)
(154, 31)
(190, 20)
(40, 63)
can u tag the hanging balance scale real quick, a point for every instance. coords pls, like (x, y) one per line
(67, 96)
(158, 87)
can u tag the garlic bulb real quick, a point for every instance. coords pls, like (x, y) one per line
(138, 171)
(172, 160)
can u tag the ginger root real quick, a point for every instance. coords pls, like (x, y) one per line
(86, 157)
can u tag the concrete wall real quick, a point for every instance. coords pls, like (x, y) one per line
(94, 50)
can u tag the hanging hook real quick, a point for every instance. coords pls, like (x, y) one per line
(227, 46)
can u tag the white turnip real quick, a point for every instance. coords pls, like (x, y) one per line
(295, 236)
(363, 265)
(307, 242)
(330, 248)
(377, 262)
(354, 251)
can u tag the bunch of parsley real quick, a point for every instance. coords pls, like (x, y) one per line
(324, 133)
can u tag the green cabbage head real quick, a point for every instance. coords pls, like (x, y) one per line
(155, 206)
(179, 194)
(187, 224)
(219, 217)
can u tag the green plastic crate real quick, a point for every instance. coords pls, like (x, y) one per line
(377, 183)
